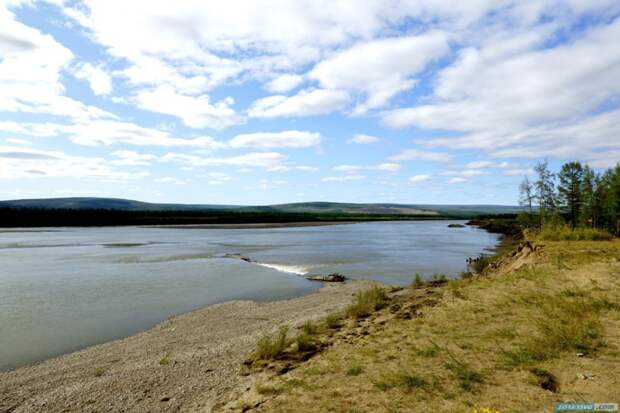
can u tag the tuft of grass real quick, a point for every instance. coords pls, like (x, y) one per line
(99, 371)
(480, 263)
(468, 379)
(439, 277)
(165, 360)
(411, 380)
(310, 328)
(333, 321)
(455, 288)
(418, 281)
(566, 233)
(268, 348)
(404, 379)
(305, 342)
(354, 370)
(430, 351)
(367, 302)
(546, 379)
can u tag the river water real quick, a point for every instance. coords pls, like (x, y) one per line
(63, 289)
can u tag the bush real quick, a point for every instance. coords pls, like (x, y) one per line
(480, 263)
(566, 233)
(268, 348)
(367, 302)
(310, 328)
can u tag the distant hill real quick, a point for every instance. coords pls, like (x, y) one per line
(302, 207)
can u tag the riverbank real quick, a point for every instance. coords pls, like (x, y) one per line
(541, 325)
(188, 363)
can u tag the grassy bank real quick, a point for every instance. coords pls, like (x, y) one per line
(540, 326)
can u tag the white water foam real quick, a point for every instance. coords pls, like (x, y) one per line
(291, 269)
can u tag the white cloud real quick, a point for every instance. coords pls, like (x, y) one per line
(465, 172)
(284, 83)
(416, 179)
(306, 168)
(363, 139)
(307, 102)
(265, 160)
(170, 180)
(196, 112)
(131, 158)
(20, 162)
(99, 80)
(380, 68)
(387, 166)
(345, 178)
(285, 139)
(415, 154)
(519, 172)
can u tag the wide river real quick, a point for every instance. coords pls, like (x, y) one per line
(63, 289)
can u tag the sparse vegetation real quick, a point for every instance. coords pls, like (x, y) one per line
(480, 263)
(310, 328)
(305, 342)
(367, 302)
(99, 371)
(566, 233)
(354, 370)
(418, 282)
(165, 360)
(271, 347)
(333, 321)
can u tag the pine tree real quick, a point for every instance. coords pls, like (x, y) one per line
(587, 216)
(569, 190)
(545, 190)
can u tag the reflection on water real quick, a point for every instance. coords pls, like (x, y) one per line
(68, 288)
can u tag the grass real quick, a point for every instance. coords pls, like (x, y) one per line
(481, 263)
(333, 321)
(418, 282)
(99, 371)
(367, 302)
(165, 360)
(516, 343)
(566, 233)
(310, 328)
(268, 348)
(305, 342)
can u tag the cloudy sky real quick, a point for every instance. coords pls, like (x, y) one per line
(257, 102)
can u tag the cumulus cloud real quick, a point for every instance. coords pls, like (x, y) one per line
(264, 160)
(387, 166)
(380, 68)
(285, 139)
(284, 83)
(307, 102)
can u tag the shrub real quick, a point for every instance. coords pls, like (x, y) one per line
(480, 263)
(270, 348)
(367, 302)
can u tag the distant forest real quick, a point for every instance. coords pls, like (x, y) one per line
(43, 217)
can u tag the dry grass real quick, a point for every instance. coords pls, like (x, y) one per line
(269, 347)
(512, 345)
(367, 302)
(566, 233)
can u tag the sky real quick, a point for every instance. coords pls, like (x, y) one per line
(273, 101)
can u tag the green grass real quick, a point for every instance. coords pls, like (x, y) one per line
(367, 302)
(480, 263)
(99, 371)
(354, 370)
(468, 379)
(333, 321)
(418, 282)
(305, 342)
(310, 328)
(566, 233)
(268, 348)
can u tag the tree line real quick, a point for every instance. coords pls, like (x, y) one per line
(576, 195)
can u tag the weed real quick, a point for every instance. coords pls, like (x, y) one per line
(99, 371)
(270, 348)
(367, 302)
(468, 378)
(430, 351)
(480, 263)
(411, 380)
(165, 360)
(310, 328)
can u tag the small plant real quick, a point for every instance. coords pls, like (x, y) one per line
(546, 379)
(268, 348)
(480, 263)
(411, 380)
(354, 370)
(440, 278)
(310, 328)
(468, 378)
(430, 351)
(367, 302)
(99, 371)
(333, 321)
(165, 360)
(305, 342)
(418, 282)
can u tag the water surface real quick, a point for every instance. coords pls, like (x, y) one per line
(64, 289)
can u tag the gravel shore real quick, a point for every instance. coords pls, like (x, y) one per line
(188, 363)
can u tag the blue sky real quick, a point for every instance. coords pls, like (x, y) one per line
(260, 102)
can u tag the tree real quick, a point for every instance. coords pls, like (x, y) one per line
(569, 190)
(545, 189)
(589, 207)
(526, 192)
